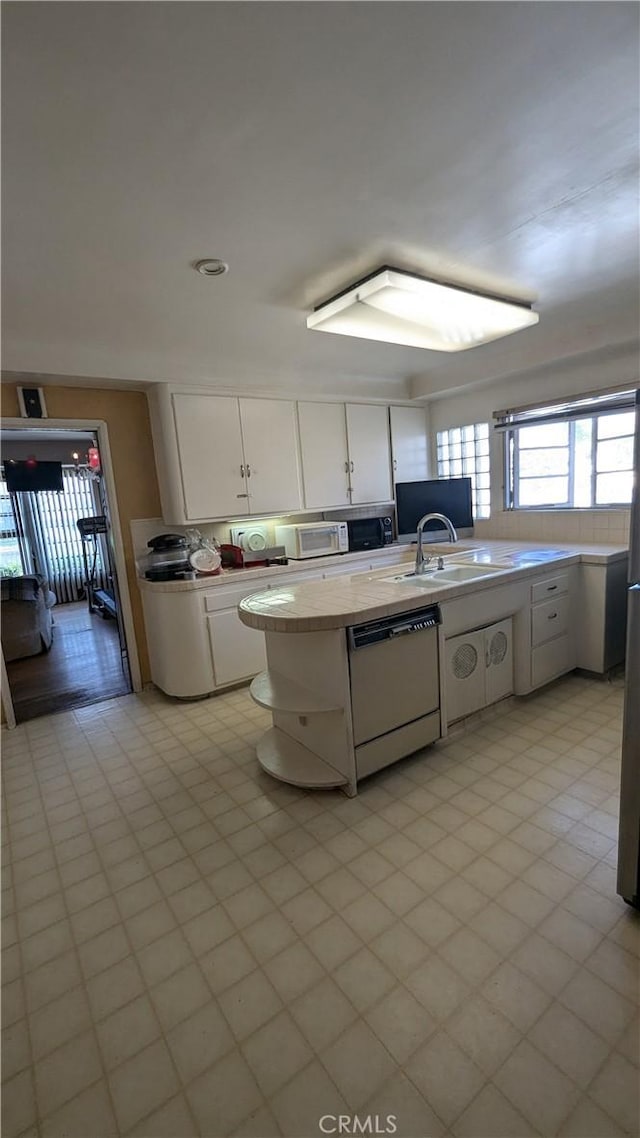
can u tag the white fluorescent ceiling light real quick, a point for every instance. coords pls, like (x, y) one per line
(403, 308)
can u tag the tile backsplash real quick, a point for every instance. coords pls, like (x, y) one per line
(609, 526)
(142, 529)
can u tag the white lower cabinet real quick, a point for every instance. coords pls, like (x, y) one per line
(479, 669)
(551, 660)
(197, 642)
(552, 640)
(238, 652)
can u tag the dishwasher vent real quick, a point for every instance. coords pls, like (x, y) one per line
(464, 661)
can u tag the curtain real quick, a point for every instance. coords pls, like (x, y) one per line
(51, 542)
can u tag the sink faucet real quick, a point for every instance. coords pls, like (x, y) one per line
(421, 560)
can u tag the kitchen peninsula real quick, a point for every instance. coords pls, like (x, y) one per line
(366, 669)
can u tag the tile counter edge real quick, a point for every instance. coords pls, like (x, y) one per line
(321, 605)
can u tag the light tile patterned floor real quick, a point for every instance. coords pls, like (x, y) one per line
(191, 948)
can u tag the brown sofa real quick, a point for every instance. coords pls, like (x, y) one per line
(26, 622)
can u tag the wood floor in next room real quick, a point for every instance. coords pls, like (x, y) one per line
(83, 665)
(191, 948)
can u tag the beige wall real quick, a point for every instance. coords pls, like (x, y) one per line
(127, 417)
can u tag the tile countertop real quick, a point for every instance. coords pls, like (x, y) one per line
(319, 605)
(403, 553)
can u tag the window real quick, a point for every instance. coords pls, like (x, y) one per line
(10, 556)
(464, 452)
(576, 455)
(44, 535)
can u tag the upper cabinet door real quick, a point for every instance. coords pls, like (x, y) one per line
(323, 443)
(369, 453)
(211, 458)
(271, 455)
(409, 447)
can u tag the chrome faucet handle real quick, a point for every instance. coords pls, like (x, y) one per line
(440, 564)
(421, 565)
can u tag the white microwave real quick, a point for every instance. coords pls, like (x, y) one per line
(313, 539)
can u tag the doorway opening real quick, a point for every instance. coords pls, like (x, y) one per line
(63, 636)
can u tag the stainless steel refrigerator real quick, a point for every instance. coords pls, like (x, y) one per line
(629, 835)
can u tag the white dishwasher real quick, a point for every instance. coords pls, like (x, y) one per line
(395, 687)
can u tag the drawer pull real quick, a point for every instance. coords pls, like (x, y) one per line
(552, 616)
(242, 495)
(550, 588)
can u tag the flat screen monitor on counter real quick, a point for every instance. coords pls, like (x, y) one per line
(448, 496)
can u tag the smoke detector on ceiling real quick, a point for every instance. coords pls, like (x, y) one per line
(211, 267)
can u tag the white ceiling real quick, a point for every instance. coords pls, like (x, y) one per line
(306, 143)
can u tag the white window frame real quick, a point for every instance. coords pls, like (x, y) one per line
(482, 449)
(594, 407)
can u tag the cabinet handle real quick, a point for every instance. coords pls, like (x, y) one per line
(241, 471)
(242, 495)
(395, 464)
(346, 467)
(550, 588)
(248, 471)
(552, 616)
(351, 467)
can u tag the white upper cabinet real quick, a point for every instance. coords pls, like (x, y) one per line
(409, 444)
(369, 453)
(228, 456)
(219, 456)
(271, 455)
(210, 455)
(325, 457)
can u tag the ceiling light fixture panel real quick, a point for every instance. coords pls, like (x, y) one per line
(404, 308)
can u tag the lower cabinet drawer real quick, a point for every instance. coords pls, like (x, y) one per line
(225, 598)
(550, 587)
(549, 620)
(551, 660)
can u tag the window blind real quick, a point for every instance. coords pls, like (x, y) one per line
(566, 410)
(51, 544)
